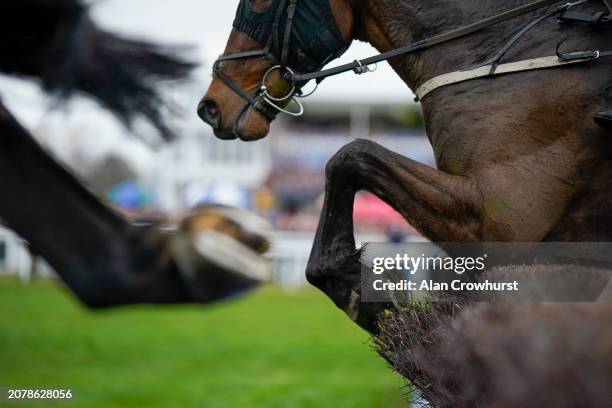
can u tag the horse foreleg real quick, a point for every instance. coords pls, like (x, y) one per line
(442, 207)
(105, 259)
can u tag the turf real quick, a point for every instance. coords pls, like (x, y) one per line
(270, 349)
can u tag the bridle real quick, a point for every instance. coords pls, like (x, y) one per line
(262, 101)
(269, 106)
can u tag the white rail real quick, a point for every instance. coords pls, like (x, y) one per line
(290, 251)
(15, 258)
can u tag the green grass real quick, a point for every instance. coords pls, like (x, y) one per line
(270, 349)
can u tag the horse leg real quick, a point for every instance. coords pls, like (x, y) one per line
(102, 257)
(442, 207)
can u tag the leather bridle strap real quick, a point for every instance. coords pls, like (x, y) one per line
(257, 100)
(243, 55)
(287, 38)
(276, 31)
(254, 101)
(357, 66)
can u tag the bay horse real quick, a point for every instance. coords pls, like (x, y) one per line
(519, 157)
(105, 258)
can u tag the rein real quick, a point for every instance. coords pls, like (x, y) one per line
(269, 106)
(360, 66)
(488, 68)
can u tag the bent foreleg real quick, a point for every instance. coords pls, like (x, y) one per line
(442, 207)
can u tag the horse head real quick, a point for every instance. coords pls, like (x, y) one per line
(270, 40)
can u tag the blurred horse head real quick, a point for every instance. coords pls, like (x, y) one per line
(221, 251)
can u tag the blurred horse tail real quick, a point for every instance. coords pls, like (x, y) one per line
(57, 42)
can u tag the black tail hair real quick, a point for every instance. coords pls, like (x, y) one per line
(56, 41)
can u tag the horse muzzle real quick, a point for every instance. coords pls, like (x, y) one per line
(209, 112)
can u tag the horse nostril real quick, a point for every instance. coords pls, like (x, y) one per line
(208, 110)
(211, 108)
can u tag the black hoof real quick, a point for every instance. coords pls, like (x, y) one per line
(604, 119)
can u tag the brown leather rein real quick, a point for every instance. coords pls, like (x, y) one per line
(362, 66)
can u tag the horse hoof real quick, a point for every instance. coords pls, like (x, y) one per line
(220, 252)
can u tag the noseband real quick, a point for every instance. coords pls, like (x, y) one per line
(261, 101)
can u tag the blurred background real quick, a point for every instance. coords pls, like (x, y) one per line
(285, 346)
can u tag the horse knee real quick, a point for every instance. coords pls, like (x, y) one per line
(348, 158)
(334, 268)
(313, 273)
(323, 276)
(320, 269)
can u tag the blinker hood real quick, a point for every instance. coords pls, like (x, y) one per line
(315, 37)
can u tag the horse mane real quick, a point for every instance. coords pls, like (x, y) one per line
(57, 42)
(465, 354)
